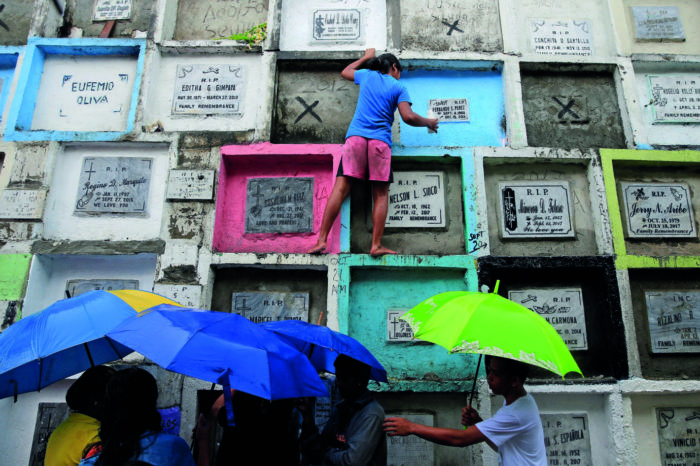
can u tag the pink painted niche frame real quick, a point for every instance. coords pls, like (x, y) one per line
(239, 163)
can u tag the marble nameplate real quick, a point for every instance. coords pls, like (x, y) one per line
(536, 209)
(658, 23)
(77, 287)
(191, 185)
(562, 308)
(674, 321)
(396, 329)
(337, 25)
(449, 110)
(658, 210)
(567, 438)
(561, 37)
(674, 99)
(106, 10)
(266, 306)
(678, 431)
(114, 185)
(209, 89)
(279, 205)
(417, 200)
(22, 204)
(411, 450)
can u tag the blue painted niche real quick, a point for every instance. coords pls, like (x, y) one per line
(8, 63)
(481, 83)
(374, 291)
(23, 105)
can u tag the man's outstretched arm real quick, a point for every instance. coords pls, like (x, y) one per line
(394, 426)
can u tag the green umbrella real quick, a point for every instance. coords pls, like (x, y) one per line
(486, 323)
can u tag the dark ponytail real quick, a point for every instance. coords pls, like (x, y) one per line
(383, 63)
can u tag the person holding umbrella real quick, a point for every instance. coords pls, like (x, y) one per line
(353, 433)
(515, 431)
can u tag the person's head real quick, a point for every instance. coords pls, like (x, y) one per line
(505, 375)
(129, 410)
(86, 394)
(351, 377)
(386, 63)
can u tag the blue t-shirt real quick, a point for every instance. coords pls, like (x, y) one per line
(380, 95)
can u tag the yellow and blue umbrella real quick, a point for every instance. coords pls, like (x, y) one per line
(66, 338)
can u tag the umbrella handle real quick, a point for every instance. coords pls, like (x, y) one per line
(476, 374)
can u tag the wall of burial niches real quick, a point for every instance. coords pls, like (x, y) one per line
(665, 27)
(212, 19)
(668, 107)
(50, 274)
(438, 226)
(557, 204)
(78, 89)
(286, 280)
(375, 291)
(271, 197)
(593, 281)
(571, 108)
(663, 301)
(550, 29)
(15, 20)
(114, 192)
(197, 92)
(472, 25)
(320, 25)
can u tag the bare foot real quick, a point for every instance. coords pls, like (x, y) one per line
(380, 251)
(320, 248)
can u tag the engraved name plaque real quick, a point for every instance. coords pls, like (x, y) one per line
(674, 321)
(417, 200)
(116, 185)
(536, 209)
(658, 210)
(208, 89)
(267, 306)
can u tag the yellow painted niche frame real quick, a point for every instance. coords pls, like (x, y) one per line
(623, 260)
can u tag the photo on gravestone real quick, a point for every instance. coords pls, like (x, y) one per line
(561, 307)
(270, 306)
(397, 330)
(657, 23)
(657, 210)
(49, 416)
(411, 450)
(561, 37)
(674, 321)
(416, 200)
(678, 430)
(79, 286)
(279, 205)
(209, 89)
(114, 185)
(449, 110)
(106, 10)
(22, 204)
(536, 209)
(674, 98)
(339, 25)
(567, 439)
(191, 185)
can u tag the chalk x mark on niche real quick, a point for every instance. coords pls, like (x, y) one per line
(2, 23)
(307, 109)
(452, 26)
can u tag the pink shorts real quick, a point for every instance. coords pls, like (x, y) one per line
(363, 156)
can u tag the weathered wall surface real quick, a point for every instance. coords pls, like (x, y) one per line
(15, 19)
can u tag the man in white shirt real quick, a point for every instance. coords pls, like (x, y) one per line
(515, 431)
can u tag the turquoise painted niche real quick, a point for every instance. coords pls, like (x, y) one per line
(484, 93)
(374, 291)
(37, 51)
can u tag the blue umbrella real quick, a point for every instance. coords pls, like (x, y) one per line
(323, 345)
(220, 348)
(66, 338)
